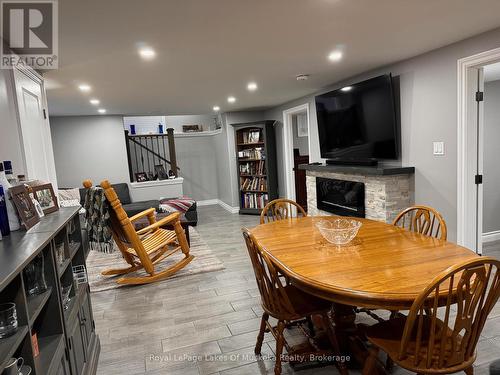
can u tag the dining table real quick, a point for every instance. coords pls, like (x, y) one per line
(383, 267)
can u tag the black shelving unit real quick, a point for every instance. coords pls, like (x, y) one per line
(256, 165)
(63, 350)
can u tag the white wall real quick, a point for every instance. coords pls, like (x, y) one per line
(428, 86)
(491, 169)
(10, 141)
(89, 147)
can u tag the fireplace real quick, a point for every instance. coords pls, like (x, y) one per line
(339, 197)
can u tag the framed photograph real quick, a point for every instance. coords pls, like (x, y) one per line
(141, 177)
(161, 172)
(302, 130)
(25, 208)
(191, 128)
(44, 194)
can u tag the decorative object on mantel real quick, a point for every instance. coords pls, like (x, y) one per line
(4, 217)
(11, 210)
(191, 128)
(161, 172)
(141, 177)
(132, 129)
(25, 207)
(45, 195)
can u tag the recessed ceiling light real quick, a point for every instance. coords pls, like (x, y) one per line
(147, 53)
(216, 108)
(252, 86)
(335, 55)
(231, 99)
(84, 87)
(347, 88)
(94, 101)
(101, 110)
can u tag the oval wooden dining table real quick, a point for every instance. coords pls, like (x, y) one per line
(383, 267)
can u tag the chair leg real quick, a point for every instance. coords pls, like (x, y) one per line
(371, 362)
(310, 325)
(260, 337)
(469, 370)
(280, 343)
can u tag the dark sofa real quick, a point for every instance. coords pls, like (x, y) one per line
(132, 208)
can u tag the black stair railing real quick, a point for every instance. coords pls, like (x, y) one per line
(147, 156)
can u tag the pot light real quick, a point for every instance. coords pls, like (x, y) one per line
(216, 108)
(94, 101)
(84, 87)
(347, 88)
(101, 110)
(231, 99)
(335, 56)
(147, 53)
(252, 86)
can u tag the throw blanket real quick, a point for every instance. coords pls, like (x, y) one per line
(97, 220)
(181, 204)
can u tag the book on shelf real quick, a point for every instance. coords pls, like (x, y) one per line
(251, 136)
(253, 168)
(254, 200)
(251, 153)
(254, 183)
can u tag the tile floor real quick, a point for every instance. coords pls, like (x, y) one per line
(167, 328)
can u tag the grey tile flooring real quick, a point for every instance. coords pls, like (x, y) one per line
(207, 324)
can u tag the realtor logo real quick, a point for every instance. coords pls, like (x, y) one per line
(29, 31)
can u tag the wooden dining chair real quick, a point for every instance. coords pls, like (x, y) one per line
(144, 249)
(285, 303)
(280, 209)
(422, 219)
(441, 331)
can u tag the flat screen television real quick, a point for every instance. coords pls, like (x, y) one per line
(357, 123)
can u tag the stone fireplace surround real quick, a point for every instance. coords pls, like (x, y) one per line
(388, 190)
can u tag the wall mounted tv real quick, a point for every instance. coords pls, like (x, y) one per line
(357, 123)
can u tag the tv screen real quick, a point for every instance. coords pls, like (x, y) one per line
(358, 122)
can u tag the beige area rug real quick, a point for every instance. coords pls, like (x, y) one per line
(204, 261)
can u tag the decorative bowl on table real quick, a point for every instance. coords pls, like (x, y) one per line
(339, 231)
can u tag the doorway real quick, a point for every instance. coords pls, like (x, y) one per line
(478, 130)
(296, 146)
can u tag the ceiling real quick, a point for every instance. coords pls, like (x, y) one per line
(492, 72)
(208, 50)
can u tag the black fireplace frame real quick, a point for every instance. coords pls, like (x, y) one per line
(336, 202)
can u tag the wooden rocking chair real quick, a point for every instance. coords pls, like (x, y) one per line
(145, 248)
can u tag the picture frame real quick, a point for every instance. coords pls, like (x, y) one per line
(161, 172)
(302, 128)
(141, 177)
(25, 208)
(44, 194)
(191, 128)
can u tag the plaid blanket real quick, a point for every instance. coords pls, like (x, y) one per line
(97, 220)
(182, 204)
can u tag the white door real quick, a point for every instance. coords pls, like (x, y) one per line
(35, 128)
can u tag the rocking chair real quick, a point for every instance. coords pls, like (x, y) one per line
(145, 248)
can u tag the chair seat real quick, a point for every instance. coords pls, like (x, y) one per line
(305, 304)
(388, 335)
(155, 241)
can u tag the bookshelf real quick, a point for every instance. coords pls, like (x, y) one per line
(256, 165)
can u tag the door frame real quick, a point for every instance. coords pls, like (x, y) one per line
(469, 155)
(288, 146)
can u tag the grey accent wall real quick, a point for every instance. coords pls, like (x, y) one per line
(428, 100)
(10, 141)
(491, 169)
(89, 147)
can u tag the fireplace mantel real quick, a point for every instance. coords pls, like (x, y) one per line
(388, 190)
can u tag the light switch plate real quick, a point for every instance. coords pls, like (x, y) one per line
(438, 148)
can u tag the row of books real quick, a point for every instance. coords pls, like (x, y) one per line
(254, 200)
(254, 183)
(253, 168)
(251, 153)
(252, 136)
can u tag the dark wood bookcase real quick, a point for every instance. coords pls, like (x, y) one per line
(256, 165)
(67, 342)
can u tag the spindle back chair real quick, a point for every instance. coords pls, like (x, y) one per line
(424, 220)
(280, 209)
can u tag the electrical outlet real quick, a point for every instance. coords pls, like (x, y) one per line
(438, 148)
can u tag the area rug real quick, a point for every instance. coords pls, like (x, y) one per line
(204, 261)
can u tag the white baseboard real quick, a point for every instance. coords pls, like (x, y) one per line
(491, 236)
(213, 202)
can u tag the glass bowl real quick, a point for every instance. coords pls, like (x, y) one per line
(339, 231)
